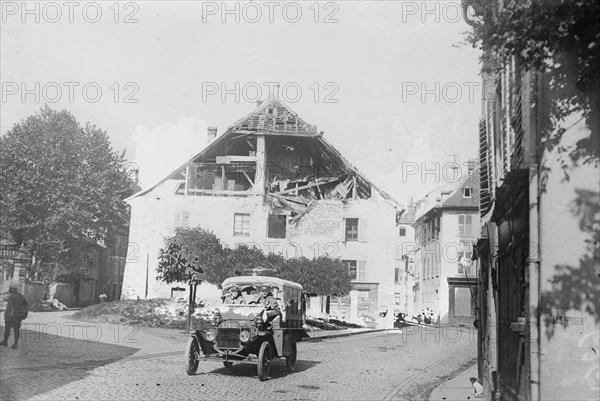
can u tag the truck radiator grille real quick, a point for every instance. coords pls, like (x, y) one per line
(228, 338)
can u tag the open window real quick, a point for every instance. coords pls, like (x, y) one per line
(277, 226)
(354, 229)
(357, 269)
(351, 229)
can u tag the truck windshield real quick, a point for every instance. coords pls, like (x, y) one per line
(241, 295)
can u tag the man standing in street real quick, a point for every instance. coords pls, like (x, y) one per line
(16, 310)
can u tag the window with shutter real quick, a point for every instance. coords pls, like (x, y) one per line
(362, 230)
(484, 173)
(362, 270)
(350, 227)
(468, 225)
(352, 268)
(398, 251)
(465, 225)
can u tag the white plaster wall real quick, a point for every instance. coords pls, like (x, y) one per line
(443, 253)
(569, 366)
(319, 232)
(405, 245)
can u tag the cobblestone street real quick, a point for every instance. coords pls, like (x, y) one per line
(392, 365)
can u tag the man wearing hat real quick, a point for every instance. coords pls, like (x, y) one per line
(235, 296)
(271, 305)
(14, 314)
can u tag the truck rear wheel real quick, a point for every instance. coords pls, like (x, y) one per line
(290, 361)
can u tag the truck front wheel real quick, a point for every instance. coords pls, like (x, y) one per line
(192, 354)
(264, 361)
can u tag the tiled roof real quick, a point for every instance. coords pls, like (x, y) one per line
(274, 117)
(450, 196)
(457, 200)
(408, 217)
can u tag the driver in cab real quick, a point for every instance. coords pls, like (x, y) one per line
(234, 296)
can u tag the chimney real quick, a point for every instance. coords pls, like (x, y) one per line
(211, 134)
(471, 166)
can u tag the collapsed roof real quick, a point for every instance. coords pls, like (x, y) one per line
(301, 166)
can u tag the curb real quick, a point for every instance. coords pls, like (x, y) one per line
(338, 335)
(457, 386)
(51, 310)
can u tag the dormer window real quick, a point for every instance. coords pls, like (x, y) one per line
(467, 191)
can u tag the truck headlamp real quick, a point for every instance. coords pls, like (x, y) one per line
(209, 335)
(244, 336)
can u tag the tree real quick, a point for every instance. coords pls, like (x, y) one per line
(196, 250)
(244, 257)
(61, 188)
(190, 254)
(322, 275)
(560, 38)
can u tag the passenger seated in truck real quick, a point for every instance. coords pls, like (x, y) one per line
(272, 308)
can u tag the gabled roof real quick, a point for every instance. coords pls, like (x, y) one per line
(272, 118)
(450, 196)
(407, 216)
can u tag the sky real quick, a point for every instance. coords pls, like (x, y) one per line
(388, 82)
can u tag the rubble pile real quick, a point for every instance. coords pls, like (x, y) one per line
(49, 305)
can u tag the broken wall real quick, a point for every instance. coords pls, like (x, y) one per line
(320, 231)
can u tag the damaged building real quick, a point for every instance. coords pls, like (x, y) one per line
(273, 181)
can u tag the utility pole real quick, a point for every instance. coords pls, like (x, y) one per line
(147, 273)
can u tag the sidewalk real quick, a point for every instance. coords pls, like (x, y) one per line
(317, 335)
(456, 388)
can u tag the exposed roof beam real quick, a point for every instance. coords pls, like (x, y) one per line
(248, 178)
(312, 184)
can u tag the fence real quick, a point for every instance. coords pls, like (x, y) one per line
(33, 292)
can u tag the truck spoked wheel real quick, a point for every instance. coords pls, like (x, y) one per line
(290, 361)
(264, 361)
(192, 354)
